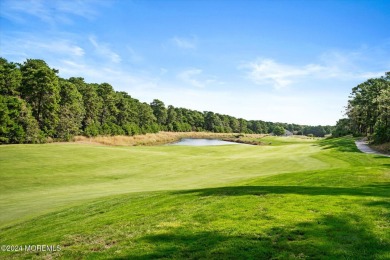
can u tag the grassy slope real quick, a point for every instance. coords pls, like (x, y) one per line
(295, 200)
(39, 177)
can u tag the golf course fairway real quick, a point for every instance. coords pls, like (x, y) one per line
(292, 199)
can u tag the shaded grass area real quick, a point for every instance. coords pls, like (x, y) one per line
(337, 207)
(339, 144)
(375, 190)
(279, 221)
(383, 148)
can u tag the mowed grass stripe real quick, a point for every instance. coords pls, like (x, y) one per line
(304, 215)
(320, 199)
(36, 178)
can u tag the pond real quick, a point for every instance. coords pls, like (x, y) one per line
(201, 142)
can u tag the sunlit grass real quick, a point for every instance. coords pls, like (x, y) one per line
(320, 199)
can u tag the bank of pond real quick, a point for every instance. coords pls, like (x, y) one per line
(202, 142)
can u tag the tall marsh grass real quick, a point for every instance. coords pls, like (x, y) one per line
(154, 139)
(383, 148)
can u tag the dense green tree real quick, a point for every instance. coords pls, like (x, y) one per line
(264, 127)
(179, 115)
(40, 88)
(225, 119)
(363, 105)
(198, 121)
(108, 111)
(17, 125)
(343, 127)
(46, 106)
(279, 130)
(92, 105)
(255, 127)
(171, 117)
(243, 125)
(159, 111)
(10, 78)
(213, 123)
(187, 117)
(234, 125)
(72, 111)
(146, 117)
(328, 129)
(382, 125)
(317, 131)
(127, 109)
(368, 109)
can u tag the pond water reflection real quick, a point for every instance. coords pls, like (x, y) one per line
(201, 142)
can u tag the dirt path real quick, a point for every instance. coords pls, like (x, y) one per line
(363, 147)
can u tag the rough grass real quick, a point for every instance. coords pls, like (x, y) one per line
(383, 148)
(170, 137)
(154, 139)
(312, 199)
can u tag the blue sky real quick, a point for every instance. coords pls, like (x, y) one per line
(280, 61)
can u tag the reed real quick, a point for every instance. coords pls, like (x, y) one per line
(383, 148)
(160, 138)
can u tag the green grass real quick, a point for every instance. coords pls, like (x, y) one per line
(293, 199)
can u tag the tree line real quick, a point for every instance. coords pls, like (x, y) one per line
(36, 105)
(368, 111)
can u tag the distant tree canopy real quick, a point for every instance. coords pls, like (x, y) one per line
(278, 130)
(318, 131)
(36, 104)
(368, 111)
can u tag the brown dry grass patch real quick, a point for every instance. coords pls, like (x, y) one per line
(383, 148)
(155, 139)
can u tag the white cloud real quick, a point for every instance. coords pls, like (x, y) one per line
(189, 77)
(251, 105)
(254, 104)
(263, 71)
(83, 8)
(257, 105)
(62, 46)
(121, 79)
(331, 65)
(194, 77)
(51, 12)
(103, 50)
(349, 65)
(184, 43)
(27, 46)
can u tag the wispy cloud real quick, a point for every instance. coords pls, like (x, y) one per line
(21, 46)
(263, 71)
(134, 56)
(61, 46)
(184, 43)
(352, 65)
(189, 77)
(104, 50)
(194, 77)
(120, 78)
(51, 12)
(331, 65)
